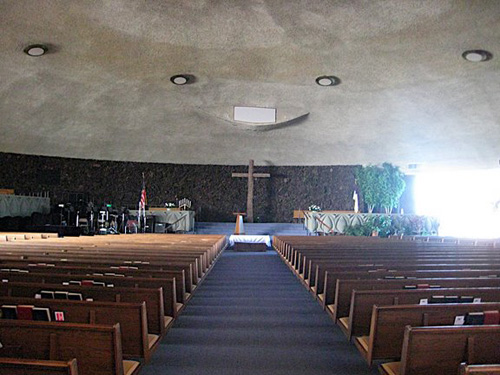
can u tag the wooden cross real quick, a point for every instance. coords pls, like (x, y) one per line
(250, 175)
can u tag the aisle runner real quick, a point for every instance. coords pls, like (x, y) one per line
(252, 316)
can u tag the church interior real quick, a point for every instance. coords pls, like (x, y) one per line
(250, 187)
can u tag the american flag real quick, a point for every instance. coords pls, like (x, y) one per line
(143, 201)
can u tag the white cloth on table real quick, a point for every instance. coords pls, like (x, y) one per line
(249, 239)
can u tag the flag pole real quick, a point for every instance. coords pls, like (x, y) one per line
(144, 204)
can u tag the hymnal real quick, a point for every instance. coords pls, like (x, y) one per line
(410, 287)
(25, 312)
(60, 295)
(75, 296)
(437, 299)
(422, 286)
(87, 282)
(492, 317)
(48, 294)
(466, 299)
(474, 318)
(41, 314)
(451, 299)
(9, 312)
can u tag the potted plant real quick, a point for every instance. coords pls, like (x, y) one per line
(380, 186)
(368, 181)
(393, 185)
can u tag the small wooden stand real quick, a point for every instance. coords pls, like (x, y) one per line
(239, 229)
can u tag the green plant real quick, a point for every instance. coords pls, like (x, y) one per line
(393, 185)
(381, 224)
(367, 180)
(380, 186)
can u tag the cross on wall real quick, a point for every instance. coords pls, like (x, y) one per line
(250, 176)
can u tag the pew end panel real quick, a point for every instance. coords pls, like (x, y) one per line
(19, 366)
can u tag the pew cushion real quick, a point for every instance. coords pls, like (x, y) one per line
(129, 367)
(152, 339)
(331, 308)
(363, 342)
(168, 321)
(391, 368)
(344, 322)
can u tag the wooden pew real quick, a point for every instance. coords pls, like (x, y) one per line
(168, 286)
(20, 366)
(441, 350)
(362, 302)
(97, 348)
(158, 323)
(143, 269)
(341, 306)
(388, 323)
(322, 272)
(61, 260)
(182, 282)
(329, 295)
(136, 341)
(466, 369)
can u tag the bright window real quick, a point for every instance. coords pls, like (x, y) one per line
(467, 203)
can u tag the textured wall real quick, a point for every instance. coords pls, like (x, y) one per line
(215, 194)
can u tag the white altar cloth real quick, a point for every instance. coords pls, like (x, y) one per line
(249, 239)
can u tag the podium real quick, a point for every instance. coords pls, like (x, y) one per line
(239, 229)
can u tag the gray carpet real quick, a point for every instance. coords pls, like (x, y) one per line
(252, 316)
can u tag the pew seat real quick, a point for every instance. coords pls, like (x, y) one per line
(364, 342)
(391, 368)
(344, 322)
(130, 367)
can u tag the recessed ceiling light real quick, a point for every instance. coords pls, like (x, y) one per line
(477, 55)
(36, 50)
(182, 79)
(328, 81)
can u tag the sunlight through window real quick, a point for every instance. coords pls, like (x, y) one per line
(467, 203)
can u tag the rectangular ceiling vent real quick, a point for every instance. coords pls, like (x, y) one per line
(255, 115)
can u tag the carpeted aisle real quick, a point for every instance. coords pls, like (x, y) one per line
(252, 316)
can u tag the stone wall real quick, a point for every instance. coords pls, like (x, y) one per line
(214, 193)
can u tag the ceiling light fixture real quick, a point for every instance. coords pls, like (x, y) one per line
(36, 50)
(477, 55)
(328, 81)
(182, 79)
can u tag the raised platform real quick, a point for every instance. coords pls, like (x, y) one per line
(272, 229)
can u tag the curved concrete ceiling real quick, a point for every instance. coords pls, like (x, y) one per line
(103, 90)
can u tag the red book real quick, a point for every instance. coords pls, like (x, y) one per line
(490, 317)
(25, 312)
(423, 286)
(88, 282)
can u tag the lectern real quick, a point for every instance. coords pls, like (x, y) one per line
(239, 229)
